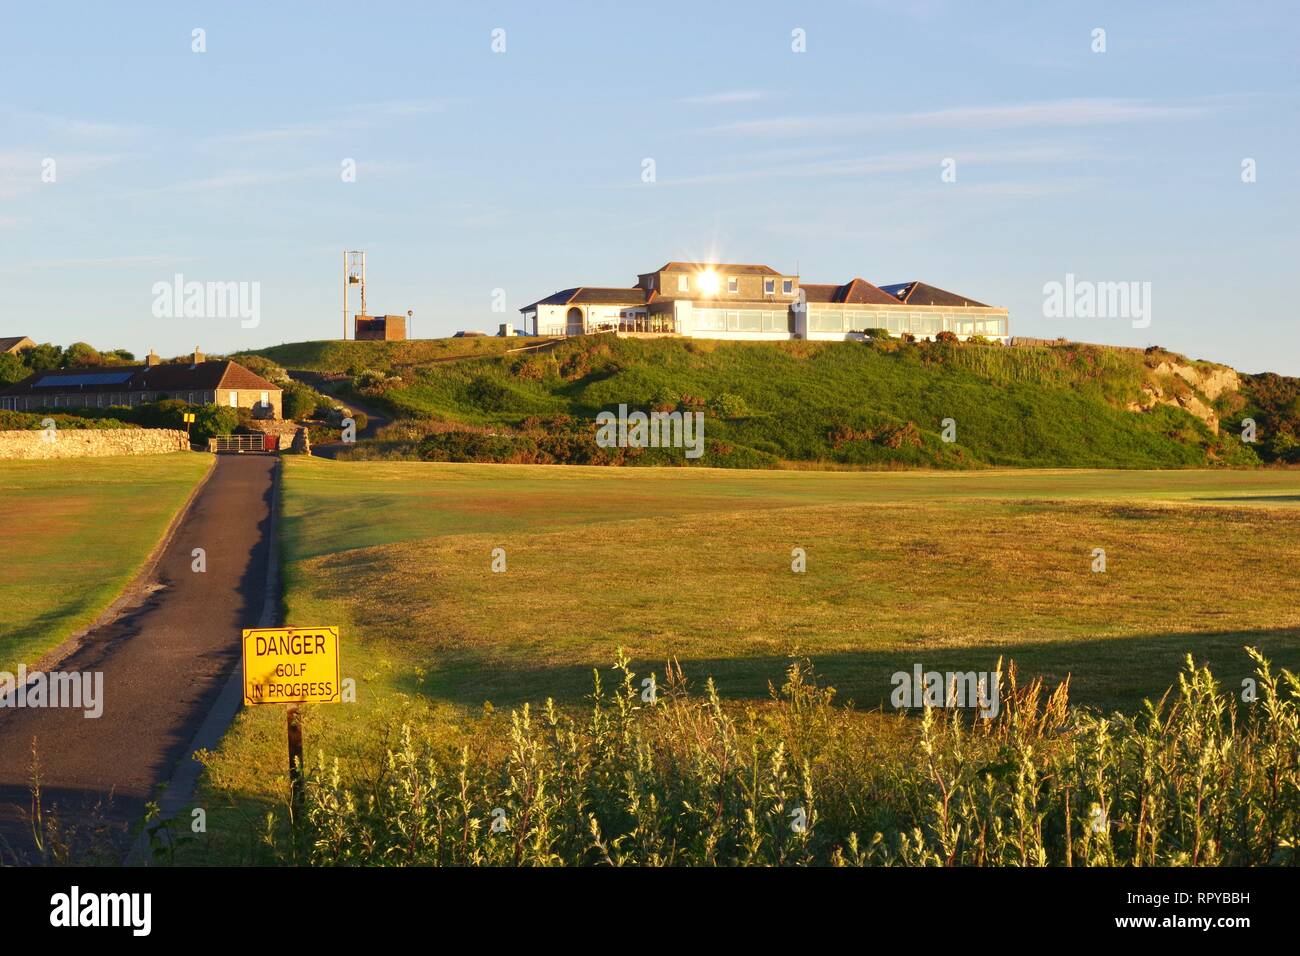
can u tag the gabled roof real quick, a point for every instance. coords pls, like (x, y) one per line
(592, 295)
(173, 377)
(919, 293)
(817, 292)
(855, 291)
(14, 343)
(735, 268)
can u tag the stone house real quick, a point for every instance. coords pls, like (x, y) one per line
(198, 382)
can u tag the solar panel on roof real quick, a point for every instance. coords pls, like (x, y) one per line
(96, 378)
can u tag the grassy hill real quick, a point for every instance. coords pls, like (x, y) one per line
(880, 404)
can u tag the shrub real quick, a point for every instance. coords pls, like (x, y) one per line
(212, 420)
(21, 421)
(300, 401)
(488, 394)
(260, 365)
(729, 405)
(947, 337)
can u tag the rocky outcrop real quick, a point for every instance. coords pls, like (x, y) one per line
(1201, 384)
(90, 442)
(1210, 380)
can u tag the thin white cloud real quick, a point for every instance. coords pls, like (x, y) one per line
(403, 107)
(72, 126)
(281, 134)
(348, 119)
(157, 259)
(245, 178)
(723, 99)
(21, 170)
(239, 179)
(863, 166)
(1041, 115)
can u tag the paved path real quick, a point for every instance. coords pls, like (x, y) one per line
(163, 665)
(375, 419)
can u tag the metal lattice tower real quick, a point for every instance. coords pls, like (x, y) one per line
(354, 274)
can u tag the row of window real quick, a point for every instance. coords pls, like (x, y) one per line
(742, 320)
(848, 320)
(897, 322)
(109, 399)
(733, 285)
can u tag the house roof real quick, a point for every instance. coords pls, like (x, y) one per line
(172, 377)
(592, 295)
(735, 268)
(855, 291)
(919, 293)
(12, 343)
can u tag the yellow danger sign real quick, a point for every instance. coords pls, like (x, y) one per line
(291, 665)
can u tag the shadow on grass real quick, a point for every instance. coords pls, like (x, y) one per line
(1248, 498)
(1111, 673)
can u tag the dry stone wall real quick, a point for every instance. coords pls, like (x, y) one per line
(89, 443)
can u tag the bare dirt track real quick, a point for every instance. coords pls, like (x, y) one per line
(164, 664)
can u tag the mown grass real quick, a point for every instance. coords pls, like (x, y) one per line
(949, 570)
(75, 533)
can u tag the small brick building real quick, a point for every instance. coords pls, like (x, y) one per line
(198, 382)
(383, 328)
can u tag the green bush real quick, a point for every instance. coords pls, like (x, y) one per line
(729, 405)
(21, 421)
(299, 401)
(213, 420)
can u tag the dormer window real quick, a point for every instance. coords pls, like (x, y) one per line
(733, 284)
(683, 283)
(769, 287)
(787, 286)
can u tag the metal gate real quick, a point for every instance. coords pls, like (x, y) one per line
(238, 443)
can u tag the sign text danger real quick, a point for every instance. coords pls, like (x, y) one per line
(291, 665)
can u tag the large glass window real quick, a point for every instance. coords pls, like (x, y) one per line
(750, 320)
(776, 322)
(820, 320)
(710, 320)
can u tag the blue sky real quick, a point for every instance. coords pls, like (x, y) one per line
(522, 170)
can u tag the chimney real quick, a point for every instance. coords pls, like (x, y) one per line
(152, 358)
(198, 356)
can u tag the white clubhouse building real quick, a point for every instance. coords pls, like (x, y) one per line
(722, 300)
